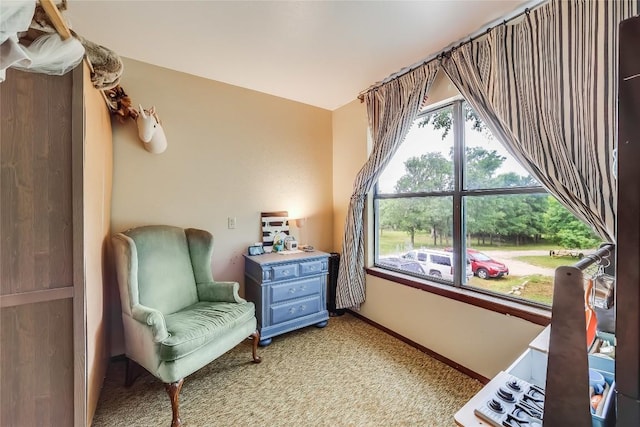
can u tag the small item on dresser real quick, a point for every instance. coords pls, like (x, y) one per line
(290, 244)
(278, 241)
(256, 250)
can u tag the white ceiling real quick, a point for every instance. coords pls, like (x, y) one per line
(321, 53)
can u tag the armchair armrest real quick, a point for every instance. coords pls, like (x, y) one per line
(219, 292)
(153, 318)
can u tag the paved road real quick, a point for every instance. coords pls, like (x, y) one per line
(519, 268)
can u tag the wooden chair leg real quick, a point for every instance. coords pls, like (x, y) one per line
(173, 390)
(256, 340)
(133, 371)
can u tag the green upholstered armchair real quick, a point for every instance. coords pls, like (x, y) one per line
(176, 318)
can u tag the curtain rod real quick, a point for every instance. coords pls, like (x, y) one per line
(485, 29)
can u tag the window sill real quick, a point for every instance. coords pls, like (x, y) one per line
(535, 315)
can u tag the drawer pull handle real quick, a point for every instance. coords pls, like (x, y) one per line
(303, 288)
(292, 310)
(292, 290)
(303, 307)
(285, 273)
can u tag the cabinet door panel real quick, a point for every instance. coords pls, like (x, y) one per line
(35, 184)
(36, 364)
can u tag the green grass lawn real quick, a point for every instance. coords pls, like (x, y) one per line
(536, 287)
(394, 242)
(547, 261)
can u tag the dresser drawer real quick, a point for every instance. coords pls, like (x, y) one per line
(286, 271)
(297, 289)
(312, 267)
(291, 310)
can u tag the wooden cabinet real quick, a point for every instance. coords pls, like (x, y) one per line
(628, 228)
(55, 192)
(289, 291)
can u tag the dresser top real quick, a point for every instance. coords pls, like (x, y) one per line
(277, 258)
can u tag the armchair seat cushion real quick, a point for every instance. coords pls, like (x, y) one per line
(200, 323)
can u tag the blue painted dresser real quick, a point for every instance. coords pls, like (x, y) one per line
(289, 291)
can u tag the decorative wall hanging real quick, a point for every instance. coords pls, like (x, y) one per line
(150, 130)
(120, 104)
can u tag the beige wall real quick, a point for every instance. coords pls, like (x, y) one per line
(481, 340)
(232, 152)
(349, 154)
(442, 89)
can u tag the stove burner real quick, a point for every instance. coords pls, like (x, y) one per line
(505, 395)
(512, 420)
(536, 403)
(522, 410)
(513, 385)
(536, 392)
(495, 405)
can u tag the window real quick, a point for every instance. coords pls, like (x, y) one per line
(453, 196)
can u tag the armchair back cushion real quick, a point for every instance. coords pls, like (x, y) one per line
(166, 280)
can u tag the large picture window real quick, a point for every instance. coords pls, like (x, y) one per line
(454, 207)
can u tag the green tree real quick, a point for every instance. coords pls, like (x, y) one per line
(483, 218)
(428, 172)
(512, 179)
(564, 229)
(402, 214)
(437, 213)
(523, 217)
(442, 119)
(425, 173)
(481, 166)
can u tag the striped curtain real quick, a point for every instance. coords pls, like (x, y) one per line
(546, 86)
(391, 108)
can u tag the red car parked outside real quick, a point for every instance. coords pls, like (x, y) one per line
(484, 266)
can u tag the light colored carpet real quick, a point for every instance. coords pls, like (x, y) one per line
(347, 374)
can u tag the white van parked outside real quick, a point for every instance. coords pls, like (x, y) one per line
(438, 264)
